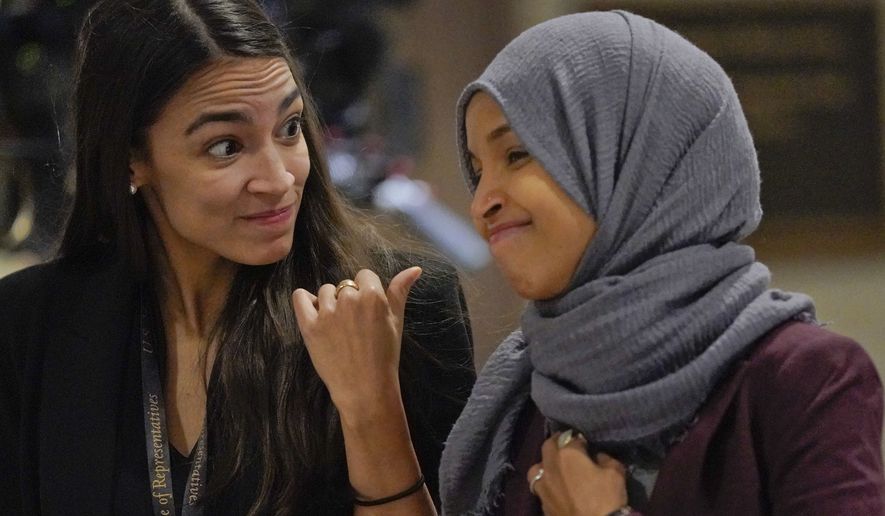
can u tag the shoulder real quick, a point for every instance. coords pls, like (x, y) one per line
(816, 404)
(797, 426)
(37, 296)
(27, 287)
(439, 276)
(438, 343)
(23, 289)
(801, 358)
(25, 278)
(436, 301)
(23, 295)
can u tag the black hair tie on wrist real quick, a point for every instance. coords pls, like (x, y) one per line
(392, 498)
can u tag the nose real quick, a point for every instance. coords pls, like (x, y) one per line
(488, 199)
(271, 176)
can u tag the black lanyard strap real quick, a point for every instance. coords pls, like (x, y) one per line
(157, 441)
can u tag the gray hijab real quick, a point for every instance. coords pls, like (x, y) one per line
(645, 132)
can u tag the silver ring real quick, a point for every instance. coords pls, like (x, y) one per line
(564, 438)
(568, 436)
(535, 478)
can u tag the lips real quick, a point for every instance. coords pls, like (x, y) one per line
(503, 230)
(271, 216)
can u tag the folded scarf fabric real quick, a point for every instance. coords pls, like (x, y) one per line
(645, 132)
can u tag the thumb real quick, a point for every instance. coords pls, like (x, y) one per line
(398, 290)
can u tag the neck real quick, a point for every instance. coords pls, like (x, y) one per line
(193, 286)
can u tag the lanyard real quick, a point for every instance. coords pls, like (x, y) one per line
(157, 441)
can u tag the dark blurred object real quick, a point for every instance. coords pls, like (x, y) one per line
(442, 227)
(341, 48)
(37, 39)
(371, 147)
(17, 197)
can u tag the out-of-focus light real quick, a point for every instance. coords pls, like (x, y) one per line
(451, 235)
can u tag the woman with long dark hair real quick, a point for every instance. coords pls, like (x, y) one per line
(614, 177)
(157, 365)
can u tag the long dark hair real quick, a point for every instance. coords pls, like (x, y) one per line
(272, 426)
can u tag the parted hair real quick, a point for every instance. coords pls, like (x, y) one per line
(268, 411)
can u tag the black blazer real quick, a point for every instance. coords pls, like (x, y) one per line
(63, 329)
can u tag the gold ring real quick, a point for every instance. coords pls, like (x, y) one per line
(344, 284)
(535, 478)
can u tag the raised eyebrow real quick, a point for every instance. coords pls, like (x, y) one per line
(294, 95)
(498, 132)
(495, 134)
(237, 116)
(223, 116)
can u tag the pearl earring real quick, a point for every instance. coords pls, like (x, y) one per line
(132, 189)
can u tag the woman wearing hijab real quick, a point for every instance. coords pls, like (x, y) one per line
(614, 178)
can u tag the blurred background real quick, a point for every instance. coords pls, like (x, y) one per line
(387, 75)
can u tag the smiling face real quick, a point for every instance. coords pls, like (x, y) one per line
(226, 163)
(536, 232)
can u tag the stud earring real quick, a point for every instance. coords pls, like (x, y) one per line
(132, 189)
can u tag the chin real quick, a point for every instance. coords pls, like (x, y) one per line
(535, 294)
(534, 289)
(266, 261)
(523, 286)
(272, 253)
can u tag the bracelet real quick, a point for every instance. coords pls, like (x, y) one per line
(392, 498)
(623, 511)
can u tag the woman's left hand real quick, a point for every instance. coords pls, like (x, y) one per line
(573, 484)
(353, 336)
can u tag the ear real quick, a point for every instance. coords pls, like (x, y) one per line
(139, 169)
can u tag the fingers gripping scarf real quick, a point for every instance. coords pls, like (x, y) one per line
(645, 132)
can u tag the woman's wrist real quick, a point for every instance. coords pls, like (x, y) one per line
(362, 501)
(380, 454)
(364, 412)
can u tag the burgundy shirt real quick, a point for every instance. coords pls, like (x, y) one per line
(795, 429)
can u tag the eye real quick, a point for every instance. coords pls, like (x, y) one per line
(292, 128)
(515, 156)
(224, 149)
(474, 175)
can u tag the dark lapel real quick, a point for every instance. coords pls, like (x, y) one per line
(82, 381)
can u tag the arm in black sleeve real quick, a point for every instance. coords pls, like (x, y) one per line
(437, 370)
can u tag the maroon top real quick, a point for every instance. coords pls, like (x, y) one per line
(530, 431)
(796, 429)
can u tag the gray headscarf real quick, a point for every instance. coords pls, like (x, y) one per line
(645, 132)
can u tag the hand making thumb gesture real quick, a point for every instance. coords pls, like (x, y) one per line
(353, 333)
